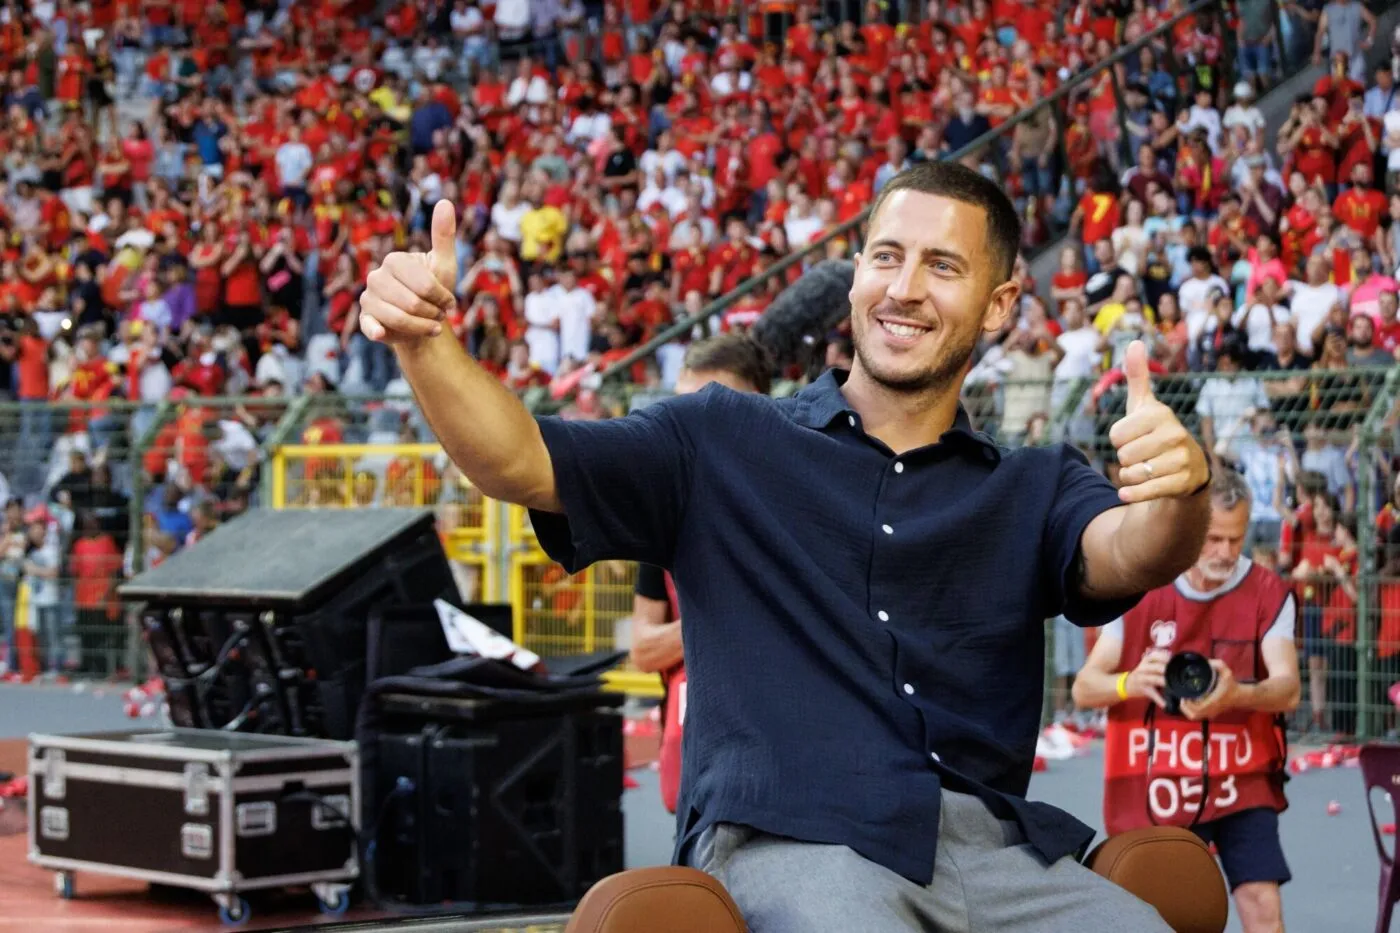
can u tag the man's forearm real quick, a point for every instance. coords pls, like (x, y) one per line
(1158, 540)
(1270, 695)
(482, 425)
(657, 648)
(1095, 689)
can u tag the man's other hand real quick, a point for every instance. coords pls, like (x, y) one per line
(407, 297)
(1159, 457)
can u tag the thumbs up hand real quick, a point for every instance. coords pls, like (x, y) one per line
(407, 297)
(1159, 458)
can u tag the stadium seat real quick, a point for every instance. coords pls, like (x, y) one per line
(1169, 868)
(1380, 771)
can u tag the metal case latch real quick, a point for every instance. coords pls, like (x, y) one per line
(55, 781)
(197, 789)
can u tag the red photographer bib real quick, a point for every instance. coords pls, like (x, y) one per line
(1164, 770)
(672, 718)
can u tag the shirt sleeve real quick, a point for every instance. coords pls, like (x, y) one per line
(623, 483)
(1082, 496)
(1285, 622)
(651, 583)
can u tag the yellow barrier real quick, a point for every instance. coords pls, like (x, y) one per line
(557, 613)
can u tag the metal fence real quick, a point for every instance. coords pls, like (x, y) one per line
(119, 487)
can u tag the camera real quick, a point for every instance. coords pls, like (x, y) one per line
(1189, 676)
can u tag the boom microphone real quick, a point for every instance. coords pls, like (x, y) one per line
(806, 311)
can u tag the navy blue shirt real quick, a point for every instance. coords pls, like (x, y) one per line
(861, 629)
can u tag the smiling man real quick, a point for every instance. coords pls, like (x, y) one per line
(865, 580)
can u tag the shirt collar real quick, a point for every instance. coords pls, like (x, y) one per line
(822, 402)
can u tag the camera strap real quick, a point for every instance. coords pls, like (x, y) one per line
(1149, 721)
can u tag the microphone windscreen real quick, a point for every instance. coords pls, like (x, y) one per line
(806, 310)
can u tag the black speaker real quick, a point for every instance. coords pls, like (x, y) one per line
(261, 626)
(495, 803)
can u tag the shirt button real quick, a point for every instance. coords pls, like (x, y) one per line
(899, 468)
(882, 615)
(851, 419)
(887, 529)
(909, 689)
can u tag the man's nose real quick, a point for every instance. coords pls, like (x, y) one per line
(908, 285)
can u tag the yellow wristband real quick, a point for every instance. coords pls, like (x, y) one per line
(1123, 685)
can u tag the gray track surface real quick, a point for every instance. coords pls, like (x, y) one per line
(1333, 858)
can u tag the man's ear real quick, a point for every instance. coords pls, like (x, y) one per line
(1001, 306)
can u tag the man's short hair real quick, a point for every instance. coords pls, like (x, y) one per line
(959, 183)
(1228, 490)
(735, 354)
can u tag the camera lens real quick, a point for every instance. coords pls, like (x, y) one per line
(1189, 676)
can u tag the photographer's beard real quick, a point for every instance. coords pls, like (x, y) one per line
(1216, 570)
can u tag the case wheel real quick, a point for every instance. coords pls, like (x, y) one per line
(235, 913)
(63, 885)
(335, 902)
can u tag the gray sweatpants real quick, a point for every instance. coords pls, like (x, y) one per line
(986, 879)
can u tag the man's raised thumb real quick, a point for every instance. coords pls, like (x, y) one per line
(1139, 377)
(443, 258)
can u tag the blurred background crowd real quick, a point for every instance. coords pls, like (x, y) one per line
(192, 197)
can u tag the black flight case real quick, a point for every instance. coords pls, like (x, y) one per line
(218, 812)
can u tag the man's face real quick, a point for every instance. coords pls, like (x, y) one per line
(1224, 542)
(691, 380)
(925, 291)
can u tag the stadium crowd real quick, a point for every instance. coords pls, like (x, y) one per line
(193, 196)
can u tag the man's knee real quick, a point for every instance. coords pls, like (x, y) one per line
(783, 886)
(1260, 906)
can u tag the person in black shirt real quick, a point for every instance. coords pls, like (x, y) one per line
(620, 169)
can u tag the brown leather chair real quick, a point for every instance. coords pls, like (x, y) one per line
(666, 899)
(1169, 868)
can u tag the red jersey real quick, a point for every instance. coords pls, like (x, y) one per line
(672, 718)
(1162, 769)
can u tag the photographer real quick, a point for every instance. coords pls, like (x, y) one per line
(1195, 679)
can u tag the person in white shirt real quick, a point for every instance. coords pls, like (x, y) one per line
(1384, 96)
(1312, 301)
(730, 79)
(1244, 112)
(294, 163)
(1195, 296)
(528, 87)
(1259, 318)
(1266, 460)
(802, 221)
(574, 307)
(664, 158)
(512, 20)
(660, 190)
(432, 59)
(469, 27)
(1204, 115)
(506, 214)
(542, 326)
(1227, 402)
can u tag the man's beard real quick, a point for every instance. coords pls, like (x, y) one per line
(947, 367)
(1216, 571)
